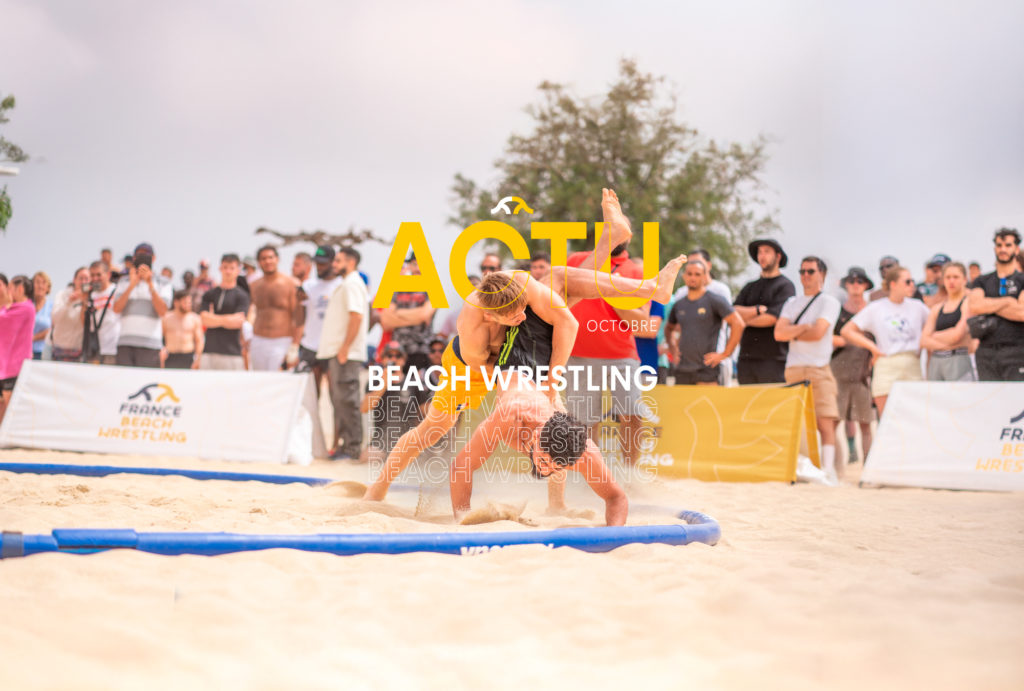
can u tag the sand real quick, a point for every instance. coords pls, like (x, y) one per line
(810, 587)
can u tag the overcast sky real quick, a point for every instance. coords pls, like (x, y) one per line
(898, 127)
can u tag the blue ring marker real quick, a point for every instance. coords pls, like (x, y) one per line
(699, 528)
(104, 470)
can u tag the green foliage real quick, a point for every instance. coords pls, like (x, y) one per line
(5, 208)
(703, 194)
(9, 153)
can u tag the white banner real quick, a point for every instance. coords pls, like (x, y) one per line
(238, 416)
(951, 435)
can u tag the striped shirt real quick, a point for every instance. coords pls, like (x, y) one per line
(140, 325)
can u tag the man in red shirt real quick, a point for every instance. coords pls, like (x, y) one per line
(605, 343)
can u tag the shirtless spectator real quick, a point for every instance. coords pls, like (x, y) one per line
(274, 297)
(183, 334)
(141, 299)
(313, 297)
(107, 257)
(302, 267)
(223, 313)
(100, 316)
(409, 319)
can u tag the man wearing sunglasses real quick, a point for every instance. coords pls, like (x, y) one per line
(806, 323)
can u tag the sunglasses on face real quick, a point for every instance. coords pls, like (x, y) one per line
(808, 272)
(487, 268)
(437, 349)
(391, 355)
(908, 281)
(859, 281)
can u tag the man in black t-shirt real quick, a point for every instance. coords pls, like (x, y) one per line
(223, 312)
(1000, 355)
(763, 359)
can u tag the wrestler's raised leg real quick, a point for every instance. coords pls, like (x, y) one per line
(583, 284)
(617, 230)
(433, 426)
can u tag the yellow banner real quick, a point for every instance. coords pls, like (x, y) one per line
(737, 434)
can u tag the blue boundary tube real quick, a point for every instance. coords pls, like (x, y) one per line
(698, 528)
(104, 470)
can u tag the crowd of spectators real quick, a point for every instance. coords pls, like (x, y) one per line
(954, 325)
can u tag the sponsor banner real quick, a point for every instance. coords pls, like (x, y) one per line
(239, 416)
(737, 434)
(950, 435)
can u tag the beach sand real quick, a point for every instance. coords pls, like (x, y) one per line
(809, 587)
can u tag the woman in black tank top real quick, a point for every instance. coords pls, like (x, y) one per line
(945, 334)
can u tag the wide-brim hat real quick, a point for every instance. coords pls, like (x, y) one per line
(752, 249)
(856, 272)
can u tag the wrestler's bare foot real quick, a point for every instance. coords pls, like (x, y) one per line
(614, 220)
(667, 279)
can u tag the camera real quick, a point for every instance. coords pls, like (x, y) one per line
(89, 287)
(143, 259)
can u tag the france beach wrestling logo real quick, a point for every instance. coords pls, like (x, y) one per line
(149, 415)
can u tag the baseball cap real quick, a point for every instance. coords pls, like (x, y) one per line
(204, 263)
(144, 247)
(323, 254)
(393, 346)
(887, 261)
(938, 260)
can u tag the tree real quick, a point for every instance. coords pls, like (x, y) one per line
(703, 194)
(9, 153)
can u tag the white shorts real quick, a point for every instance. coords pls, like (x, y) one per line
(268, 354)
(890, 369)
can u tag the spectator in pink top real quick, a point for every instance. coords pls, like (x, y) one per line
(17, 320)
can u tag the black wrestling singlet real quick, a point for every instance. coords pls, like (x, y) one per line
(527, 344)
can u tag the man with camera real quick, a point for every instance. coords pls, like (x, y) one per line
(141, 299)
(102, 325)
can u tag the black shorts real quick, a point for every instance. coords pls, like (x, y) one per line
(707, 375)
(7, 384)
(308, 361)
(1000, 363)
(761, 371)
(179, 360)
